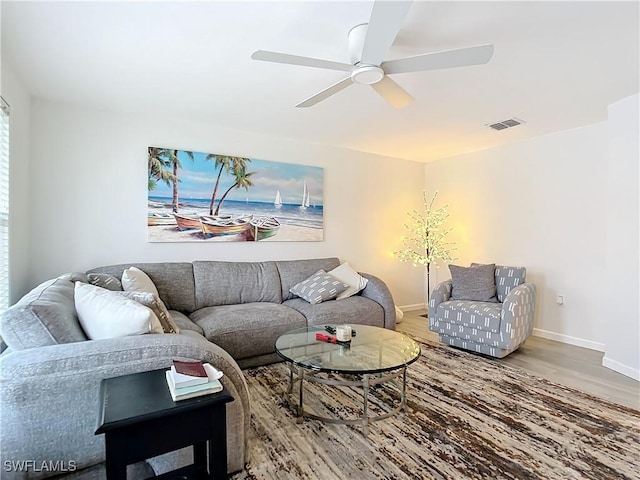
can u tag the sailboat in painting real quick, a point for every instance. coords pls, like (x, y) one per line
(278, 201)
(305, 197)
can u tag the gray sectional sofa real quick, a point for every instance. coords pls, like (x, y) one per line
(229, 314)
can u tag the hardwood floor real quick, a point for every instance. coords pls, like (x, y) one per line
(568, 365)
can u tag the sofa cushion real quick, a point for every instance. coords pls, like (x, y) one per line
(480, 315)
(319, 287)
(353, 310)
(174, 282)
(294, 271)
(44, 316)
(184, 323)
(231, 283)
(247, 330)
(473, 283)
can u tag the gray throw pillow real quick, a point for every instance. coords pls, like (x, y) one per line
(477, 283)
(104, 280)
(319, 288)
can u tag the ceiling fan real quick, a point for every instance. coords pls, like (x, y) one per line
(368, 45)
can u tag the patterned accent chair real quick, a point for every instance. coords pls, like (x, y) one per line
(494, 329)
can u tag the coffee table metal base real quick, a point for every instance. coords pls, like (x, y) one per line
(365, 381)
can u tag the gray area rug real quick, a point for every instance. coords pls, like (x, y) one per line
(468, 417)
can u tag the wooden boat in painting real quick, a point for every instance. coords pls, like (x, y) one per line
(216, 218)
(154, 219)
(212, 227)
(187, 221)
(262, 227)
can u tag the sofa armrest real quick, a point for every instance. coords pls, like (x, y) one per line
(440, 294)
(516, 318)
(49, 396)
(378, 291)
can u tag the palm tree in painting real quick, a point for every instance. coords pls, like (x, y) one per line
(166, 157)
(159, 165)
(243, 179)
(224, 163)
(175, 163)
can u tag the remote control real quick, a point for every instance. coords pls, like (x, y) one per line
(326, 338)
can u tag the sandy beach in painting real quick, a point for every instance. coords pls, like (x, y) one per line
(286, 233)
(289, 231)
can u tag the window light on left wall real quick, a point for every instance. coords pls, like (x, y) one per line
(4, 204)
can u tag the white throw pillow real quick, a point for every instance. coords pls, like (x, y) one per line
(107, 314)
(135, 280)
(345, 273)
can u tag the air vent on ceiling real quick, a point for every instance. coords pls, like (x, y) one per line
(511, 122)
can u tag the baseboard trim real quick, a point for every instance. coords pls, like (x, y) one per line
(411, 308)
(621, 368)
(578, 342)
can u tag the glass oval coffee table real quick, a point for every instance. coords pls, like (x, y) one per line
(374, 356)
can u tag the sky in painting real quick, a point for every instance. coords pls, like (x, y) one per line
(198, 177)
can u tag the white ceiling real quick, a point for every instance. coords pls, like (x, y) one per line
(557, 65)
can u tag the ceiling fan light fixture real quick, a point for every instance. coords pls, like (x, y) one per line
(367, 75)
(369, 43)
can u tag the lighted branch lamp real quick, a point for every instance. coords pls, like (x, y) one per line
(426, 244)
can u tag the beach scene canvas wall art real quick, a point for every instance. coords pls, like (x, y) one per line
(210, 197)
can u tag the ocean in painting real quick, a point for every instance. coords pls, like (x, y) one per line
(287, 214)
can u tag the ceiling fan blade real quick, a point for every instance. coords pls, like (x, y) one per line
(326, 93)
(297, 60)
(392, 92)
(460, 57)
(384, 25)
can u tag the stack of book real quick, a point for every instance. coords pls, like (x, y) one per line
(192, 379)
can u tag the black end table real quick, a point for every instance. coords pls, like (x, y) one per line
(140, 421)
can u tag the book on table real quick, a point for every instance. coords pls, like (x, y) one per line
(188, 374)
(210, 385)
(189, 368)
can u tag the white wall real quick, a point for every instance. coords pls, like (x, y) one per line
(542, 204)
(88, 192)
(19, 199)
(620, 313)
(566, 206)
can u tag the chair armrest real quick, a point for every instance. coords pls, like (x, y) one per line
(378, 291)
(49, 396)
(440, 294)
(516, 318)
